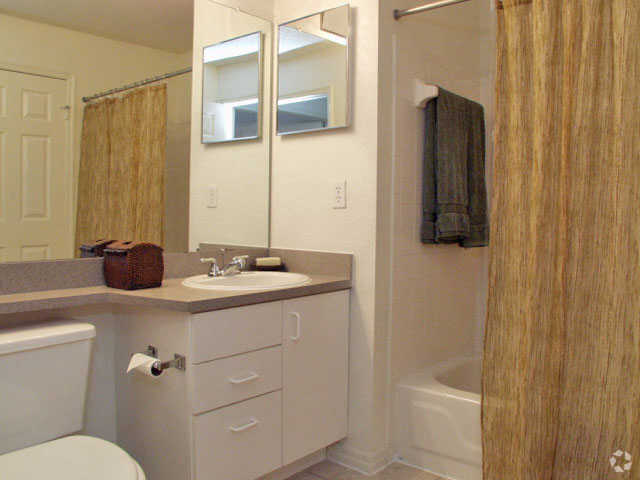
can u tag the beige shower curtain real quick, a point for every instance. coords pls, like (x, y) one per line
(121, 177)
(561, 381)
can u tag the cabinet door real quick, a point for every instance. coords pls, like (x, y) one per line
(315, 366)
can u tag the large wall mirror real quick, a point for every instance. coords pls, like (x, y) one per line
(229, 201)
(231, 83)
(313, 72)
(100, 128)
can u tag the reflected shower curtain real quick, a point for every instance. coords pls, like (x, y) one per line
(561, 381)
(121, 177)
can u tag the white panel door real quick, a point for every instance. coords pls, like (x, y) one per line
(315, 370)
(35, 173)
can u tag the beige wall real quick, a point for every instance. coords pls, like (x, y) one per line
(240, 170)
(304, 168)
(95, 63)
(259, 8)
(438, 293)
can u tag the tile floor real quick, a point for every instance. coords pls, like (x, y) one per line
(331, 471)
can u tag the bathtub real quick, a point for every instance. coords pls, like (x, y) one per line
(437, 419)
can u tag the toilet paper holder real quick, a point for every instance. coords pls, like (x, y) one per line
(179, 361)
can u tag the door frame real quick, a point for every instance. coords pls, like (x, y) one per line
(69, 147)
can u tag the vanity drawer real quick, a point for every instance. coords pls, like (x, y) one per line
(224, 333)
(240, 442)
(232, 379)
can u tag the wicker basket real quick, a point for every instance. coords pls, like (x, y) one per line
(133, 265)
(95, 249)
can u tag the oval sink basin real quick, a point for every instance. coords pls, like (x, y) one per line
(248, 281)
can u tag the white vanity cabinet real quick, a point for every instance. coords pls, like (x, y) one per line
(264, 386)
(315, 370)
(268, 384)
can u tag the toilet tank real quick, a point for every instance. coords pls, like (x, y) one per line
(43, 381)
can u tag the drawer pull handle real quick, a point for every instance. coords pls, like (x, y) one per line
(252, 376)
(250, 424)
(298, 333)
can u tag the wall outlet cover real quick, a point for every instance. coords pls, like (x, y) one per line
(212, 196)
(339, 192)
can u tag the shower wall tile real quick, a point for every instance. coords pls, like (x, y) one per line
(438, 291)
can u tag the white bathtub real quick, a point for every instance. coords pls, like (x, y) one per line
(437, 419)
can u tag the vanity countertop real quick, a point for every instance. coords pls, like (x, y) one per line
(172, 295)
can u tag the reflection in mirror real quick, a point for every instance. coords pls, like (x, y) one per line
(231, 89)
(313, 79)
(116, 166)
(229, 180)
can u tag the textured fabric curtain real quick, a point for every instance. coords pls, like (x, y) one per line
(121, 178)
(561, 377)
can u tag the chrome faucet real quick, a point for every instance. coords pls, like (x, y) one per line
(234, 267)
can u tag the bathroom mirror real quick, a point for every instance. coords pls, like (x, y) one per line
(231, 89)
(100, 128)
(95, 126)
(313, 72)
(229, 180)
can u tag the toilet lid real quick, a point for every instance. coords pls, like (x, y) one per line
(70, 458)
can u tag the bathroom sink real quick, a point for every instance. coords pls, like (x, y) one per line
(248, 281)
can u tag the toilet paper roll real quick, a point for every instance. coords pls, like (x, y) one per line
(144, 364)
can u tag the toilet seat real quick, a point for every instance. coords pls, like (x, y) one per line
(77, 457)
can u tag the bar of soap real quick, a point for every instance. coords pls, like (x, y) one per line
(268, 262)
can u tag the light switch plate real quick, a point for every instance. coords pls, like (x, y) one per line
(340, 194)
(212, 196)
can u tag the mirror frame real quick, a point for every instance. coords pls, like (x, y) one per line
(260, 90)
(348, 54)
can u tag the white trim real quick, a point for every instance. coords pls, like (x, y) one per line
(366, 463)
(393, 159)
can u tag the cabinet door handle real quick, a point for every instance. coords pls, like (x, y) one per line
(298, 333)
(241, 428)
(252, 376)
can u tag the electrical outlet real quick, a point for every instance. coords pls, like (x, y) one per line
(340, 194)
(212, 196)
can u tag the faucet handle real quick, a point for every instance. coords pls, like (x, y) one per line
(214, 269)
(241, 260)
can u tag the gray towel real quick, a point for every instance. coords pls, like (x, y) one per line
(454, 193)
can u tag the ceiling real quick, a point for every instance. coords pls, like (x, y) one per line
(162, 24)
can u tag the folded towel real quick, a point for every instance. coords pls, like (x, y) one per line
(454, 193)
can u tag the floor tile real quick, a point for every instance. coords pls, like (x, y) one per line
(332, 471)
(304, 476)
(396, 471)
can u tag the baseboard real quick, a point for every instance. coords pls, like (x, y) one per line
(367, 463)
(297, 466)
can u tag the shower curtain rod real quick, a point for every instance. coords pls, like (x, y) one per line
(137, 84)
(398, 14)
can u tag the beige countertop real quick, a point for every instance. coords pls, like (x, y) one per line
(172, 295)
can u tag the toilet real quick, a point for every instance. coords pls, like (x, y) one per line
(44, 371)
